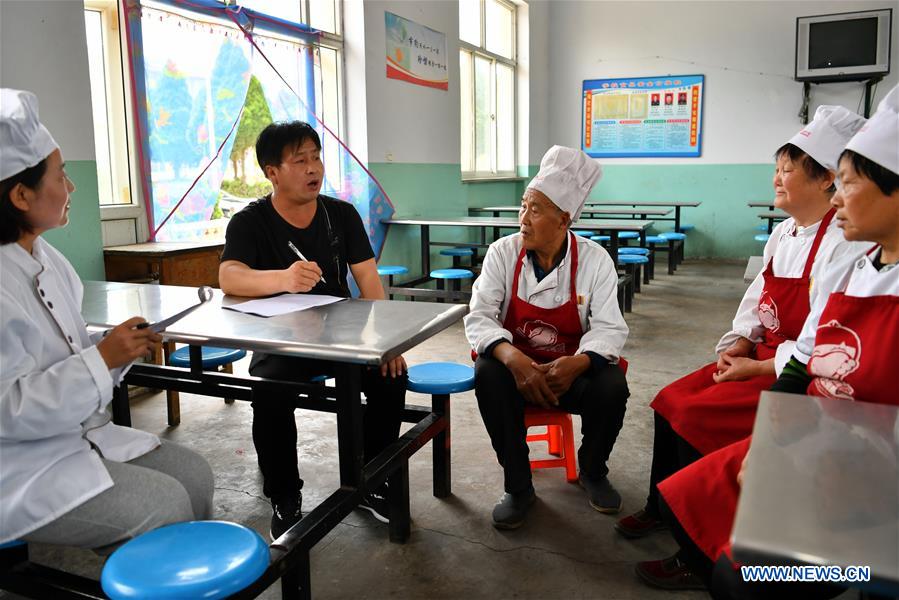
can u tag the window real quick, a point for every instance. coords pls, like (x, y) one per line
(199, 73)
(123, 219)
(487, 83)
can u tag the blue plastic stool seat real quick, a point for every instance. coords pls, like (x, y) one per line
(451, 274)
(212, 357)
(684, 227)
(12, 544)
(199, 559)
(762, 227)
(628, 235)
(761, 237)
(632, 259)
(633, 250)
(440, 378)
(600, 238)
(582, 233)
(656, 239)
(673, 235)
(457, 252)
(392, 270)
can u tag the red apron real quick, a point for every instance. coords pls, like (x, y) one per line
(545, 334)
(854, 358)
(855, 349)
(712, 415)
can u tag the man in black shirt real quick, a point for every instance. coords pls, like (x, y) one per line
(258, 260)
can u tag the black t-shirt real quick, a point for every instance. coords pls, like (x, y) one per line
(257, 236)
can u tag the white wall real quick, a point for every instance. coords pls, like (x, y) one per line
(745, 49)
(43, 50)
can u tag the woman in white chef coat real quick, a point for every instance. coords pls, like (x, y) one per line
(715, 405)
(846, 350)
(547, 329)
(67, 474)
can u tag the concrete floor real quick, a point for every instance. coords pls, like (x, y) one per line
(565, 550)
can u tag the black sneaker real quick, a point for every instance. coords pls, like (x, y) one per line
(603, 495)
(285, 514)
(377, 504)
(510, 511)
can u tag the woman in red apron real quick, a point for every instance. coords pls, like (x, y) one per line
(545, 324)
(846, 350)
(715, 405)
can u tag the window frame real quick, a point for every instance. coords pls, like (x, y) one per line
(481, 50)
(120, 118)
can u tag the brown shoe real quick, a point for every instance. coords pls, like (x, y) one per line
(639, 524)
(669, 574)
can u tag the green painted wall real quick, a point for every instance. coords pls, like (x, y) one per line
(725, 225)
(81, 241)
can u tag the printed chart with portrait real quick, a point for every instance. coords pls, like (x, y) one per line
(642, 116)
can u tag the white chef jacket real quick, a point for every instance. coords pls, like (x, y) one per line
(596, 283)
(856, 276)
(789, 245)
(54, 394)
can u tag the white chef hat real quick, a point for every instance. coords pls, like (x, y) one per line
(24, 141)
(566, 177)
(878, 140)
(826, 136)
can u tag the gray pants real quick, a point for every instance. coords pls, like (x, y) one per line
(167, 485)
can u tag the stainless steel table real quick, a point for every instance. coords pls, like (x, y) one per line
(610, 226)
(822, 487)
(351, 335)
(677, 205)
(753, 268)
(657, 214)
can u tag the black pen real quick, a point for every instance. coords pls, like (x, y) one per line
(300, 254)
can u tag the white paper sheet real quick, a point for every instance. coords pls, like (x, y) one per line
(279, 305)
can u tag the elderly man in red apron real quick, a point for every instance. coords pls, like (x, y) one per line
(846, 349)
(715, 405)
(547, 329)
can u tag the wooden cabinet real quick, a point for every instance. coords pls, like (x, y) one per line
(169, 263)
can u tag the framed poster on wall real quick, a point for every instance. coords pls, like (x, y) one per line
(642, 116)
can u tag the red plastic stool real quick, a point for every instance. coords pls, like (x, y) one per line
(559, 435)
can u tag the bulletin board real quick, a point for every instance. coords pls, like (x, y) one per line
(642, 116)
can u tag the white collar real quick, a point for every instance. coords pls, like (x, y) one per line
(30, 264)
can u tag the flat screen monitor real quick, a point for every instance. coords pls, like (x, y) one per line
(843, 47)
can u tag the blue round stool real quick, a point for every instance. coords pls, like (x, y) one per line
(762, 227)
(628, 235)
(389, 271)
(213, 358)
(655, 239)
(457, 254)
(673, 235)
(199, 559)
(455, 276)
(440, 379)
(632, 266)
(675, 249)
(685, 227)
(761, 237)
(633, 250)
(582, 233)
(600, 238)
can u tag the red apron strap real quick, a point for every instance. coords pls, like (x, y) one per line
(573, 272)
(822, 229)
(515, 277)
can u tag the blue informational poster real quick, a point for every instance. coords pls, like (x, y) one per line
(642, 116)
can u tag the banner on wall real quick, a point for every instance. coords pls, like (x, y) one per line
(642, 116)
(415, 53)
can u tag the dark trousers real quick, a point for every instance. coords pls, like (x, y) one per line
(275, 430)
(670, 454)
(598, 396)
(726, 583)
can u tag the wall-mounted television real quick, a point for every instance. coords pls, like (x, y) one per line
(843, 47)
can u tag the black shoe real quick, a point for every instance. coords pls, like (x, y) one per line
(377, 504)
(286, 513)
(511, 510)
(603, 496)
